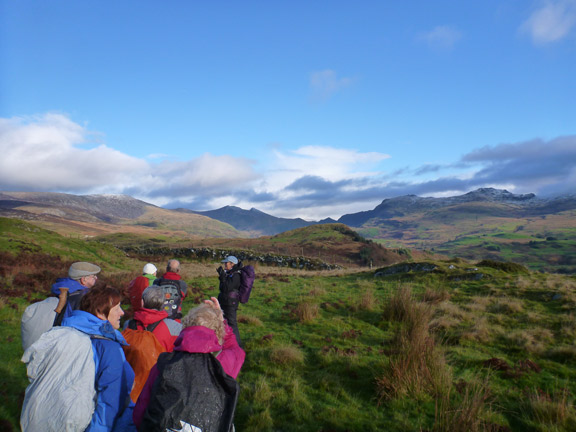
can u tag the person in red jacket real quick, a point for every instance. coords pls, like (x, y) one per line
(151, 312)
(204, 331)
(137, 286)
(174, 289)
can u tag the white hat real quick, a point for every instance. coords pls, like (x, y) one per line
(149, 269)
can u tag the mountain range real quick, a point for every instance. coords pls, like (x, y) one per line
(254, 221)
(484, 223)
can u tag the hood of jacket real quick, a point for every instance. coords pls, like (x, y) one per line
(92, 325)
(171, 276)
(149, 316)
(197, 339)
(71, 284)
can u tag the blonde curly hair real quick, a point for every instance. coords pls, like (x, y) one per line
(206, 316)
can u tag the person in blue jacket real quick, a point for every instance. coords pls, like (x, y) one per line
(81, 277)
(99, 316)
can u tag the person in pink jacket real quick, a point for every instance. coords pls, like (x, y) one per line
(204, 331)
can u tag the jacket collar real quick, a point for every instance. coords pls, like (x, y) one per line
(92, 325)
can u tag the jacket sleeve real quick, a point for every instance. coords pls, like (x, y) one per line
(114, 379)
(229, 281)
(232, 356)
(144, 398)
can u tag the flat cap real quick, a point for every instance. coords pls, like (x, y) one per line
(82, 269)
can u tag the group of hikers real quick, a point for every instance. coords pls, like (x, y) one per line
(161, 372)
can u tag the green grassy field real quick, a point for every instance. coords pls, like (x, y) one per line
(445, 346)
(545, 243)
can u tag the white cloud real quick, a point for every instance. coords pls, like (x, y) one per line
(441, 37)
(322, 161)
(325, 83)
(44, 153)
(207, 175)
(551, 22)
(51, 153)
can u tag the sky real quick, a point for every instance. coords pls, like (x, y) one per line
(300, 108)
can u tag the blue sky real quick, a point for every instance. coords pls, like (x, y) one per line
(306, 109)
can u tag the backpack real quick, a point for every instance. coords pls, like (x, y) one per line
(37, 319)
(61, 394)
(142, 352)
(247, 276)
(173, 297)
(191, 392)
(42, 316)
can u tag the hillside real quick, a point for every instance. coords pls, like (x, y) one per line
(484, 224)
(422, 346)
(493, 202)
(333, 244)
(92, 215)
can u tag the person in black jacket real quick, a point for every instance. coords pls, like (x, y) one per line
(228, 297)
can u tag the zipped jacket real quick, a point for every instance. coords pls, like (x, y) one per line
(114, 376)
(166, 332)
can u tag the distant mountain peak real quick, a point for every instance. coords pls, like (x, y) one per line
(494, 194)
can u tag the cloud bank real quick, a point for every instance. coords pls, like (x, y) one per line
(52, 153)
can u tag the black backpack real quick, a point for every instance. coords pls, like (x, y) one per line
(191, 388)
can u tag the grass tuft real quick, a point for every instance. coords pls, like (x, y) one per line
(551, 411)
(465, 411)
(286, 355)
(306, 312)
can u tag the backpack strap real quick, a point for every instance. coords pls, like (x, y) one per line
(67, 299)
(153, 326)
(133, 325)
